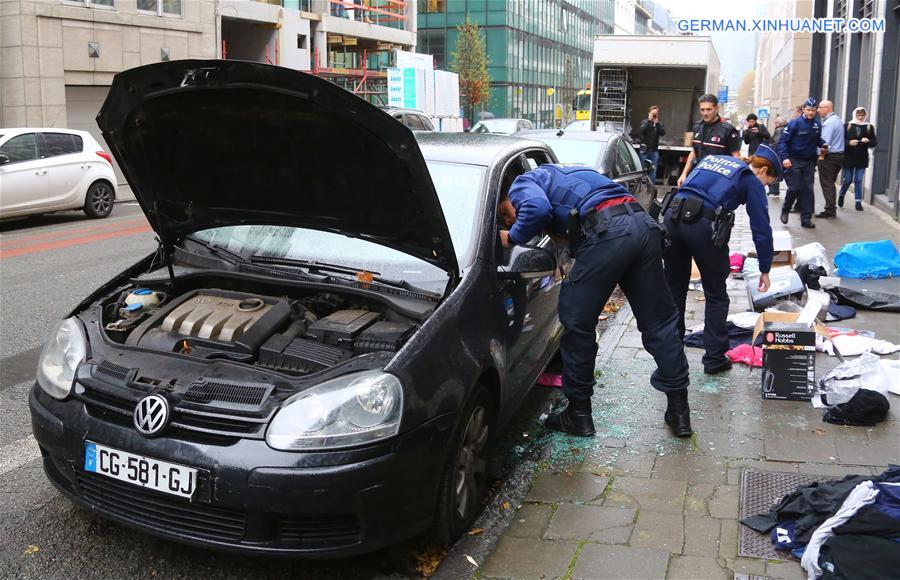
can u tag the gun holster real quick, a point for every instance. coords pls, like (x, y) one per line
(573, 229)
(658, 208)
(722, 226)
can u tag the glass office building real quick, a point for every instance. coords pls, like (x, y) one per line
(532, 46)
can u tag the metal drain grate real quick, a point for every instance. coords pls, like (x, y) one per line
(760, 490)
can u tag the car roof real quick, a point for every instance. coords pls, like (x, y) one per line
(503, 119)
(549, 134)
(11, 130)
(402, 110)
(471, 148)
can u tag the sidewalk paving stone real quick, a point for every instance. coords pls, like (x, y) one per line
(725, 502)
(528, 558)
(567, 487)
(656, 495)
(746, 566)
(657, 530)
(691, 468)
(700, 533)
(593, 523)
(599, 562)
(730, 445)
(696, 502)
(695, 568)
(531, 520)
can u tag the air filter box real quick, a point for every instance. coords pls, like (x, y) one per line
(342, 327)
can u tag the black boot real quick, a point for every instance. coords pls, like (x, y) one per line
(678, 413)
(575, 419)
(784, 216)
(859, 206)
(807, 224)
(841, 200)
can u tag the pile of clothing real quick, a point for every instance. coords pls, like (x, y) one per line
(841, 529)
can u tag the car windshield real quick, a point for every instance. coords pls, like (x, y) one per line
(505, 126)
(459, 188)
(580, 152)
(583, 102)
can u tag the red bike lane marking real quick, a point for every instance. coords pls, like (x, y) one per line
(58, 244)
(17, 241)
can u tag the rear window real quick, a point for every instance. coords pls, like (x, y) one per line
(61, 144)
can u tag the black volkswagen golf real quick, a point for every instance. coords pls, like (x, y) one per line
(329, 334)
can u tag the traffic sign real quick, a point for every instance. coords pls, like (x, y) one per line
(723, 95)
(762, 112)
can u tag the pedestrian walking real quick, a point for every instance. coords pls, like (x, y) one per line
(699, 221)
(780, 124)
(832, 160)
(859, 138)
(799, 147)
(614, 241)
(651, 131)
(713, 135)
(755, 134)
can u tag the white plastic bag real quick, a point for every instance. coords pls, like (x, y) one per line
(813, 254)
(842, 382)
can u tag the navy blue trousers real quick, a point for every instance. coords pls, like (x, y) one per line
(694, 241)
(629, 254)
(800, 179)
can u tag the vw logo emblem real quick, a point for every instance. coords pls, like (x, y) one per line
(151, 415)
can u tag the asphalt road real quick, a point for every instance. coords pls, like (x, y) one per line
(47, 266)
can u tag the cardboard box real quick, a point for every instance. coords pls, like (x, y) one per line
(789, 355)
(784, 248)
(688, 139)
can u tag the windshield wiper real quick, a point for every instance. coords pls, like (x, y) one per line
(313, 266)
(227, 255)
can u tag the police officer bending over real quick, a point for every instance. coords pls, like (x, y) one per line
(614, 241)
(712, 136)
(699, 220)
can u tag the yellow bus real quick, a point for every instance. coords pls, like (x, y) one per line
(581, 104)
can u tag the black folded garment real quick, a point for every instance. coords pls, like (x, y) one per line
(859, 557)
(864, 409)
(870, 521)
(736, 336)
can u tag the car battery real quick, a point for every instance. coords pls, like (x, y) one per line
(784, 283)
(789, 361)
(341, 328)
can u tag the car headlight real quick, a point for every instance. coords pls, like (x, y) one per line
(349, 410)
(61, 355)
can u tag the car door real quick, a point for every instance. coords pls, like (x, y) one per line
(412, 121)
(644, 186)
(67, 168)
(530, 303)
(24, 176)
(627, 170)
(426, 123)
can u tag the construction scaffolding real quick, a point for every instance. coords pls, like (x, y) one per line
(368, 84)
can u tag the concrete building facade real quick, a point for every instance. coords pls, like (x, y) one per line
(783, 62)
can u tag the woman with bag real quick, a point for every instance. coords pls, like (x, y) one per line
(859, 138)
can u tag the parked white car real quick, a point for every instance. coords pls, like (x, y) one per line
(46, 170)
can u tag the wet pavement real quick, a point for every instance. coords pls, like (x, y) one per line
(635, 502)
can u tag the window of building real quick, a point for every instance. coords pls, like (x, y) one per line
(427, 6)
(103, 4)
(866, 8)
(170, 8)
(61, 144)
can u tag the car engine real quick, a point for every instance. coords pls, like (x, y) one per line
(295, 335)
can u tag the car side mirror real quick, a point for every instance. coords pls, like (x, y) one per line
(3, 159)
(648, 166)
(527, 262)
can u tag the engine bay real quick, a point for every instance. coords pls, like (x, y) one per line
(301, 333)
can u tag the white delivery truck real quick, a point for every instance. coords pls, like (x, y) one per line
(631, 73)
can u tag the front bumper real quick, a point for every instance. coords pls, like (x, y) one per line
(255, 499)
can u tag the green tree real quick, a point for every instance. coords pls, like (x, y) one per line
(470, 63)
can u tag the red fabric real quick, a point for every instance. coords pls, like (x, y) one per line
(737, 262)
(744, 353)
(612, 202)
(550, 380)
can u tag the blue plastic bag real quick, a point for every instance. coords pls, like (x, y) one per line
(868, 260)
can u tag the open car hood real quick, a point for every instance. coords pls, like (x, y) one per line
(214, 143)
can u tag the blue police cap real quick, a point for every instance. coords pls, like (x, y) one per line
(767, 152)
(810, 102)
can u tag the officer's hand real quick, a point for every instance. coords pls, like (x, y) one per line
(681, 179)
(504, 239)
(763, 282)
(853, 142)
(865, 139)
(786, 163)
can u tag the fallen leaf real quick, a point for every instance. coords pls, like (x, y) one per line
(428, 561)
(820, 431)
(604, 316)
(471, 560)
(505, 505)
(475, 531)
(700, 298)
(31, 549)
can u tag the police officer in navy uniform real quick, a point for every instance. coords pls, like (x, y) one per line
(614, 241)
(699, 220)
(712, 136)
(799, 148)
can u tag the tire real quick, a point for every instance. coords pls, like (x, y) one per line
(465, 475)
(98, 202)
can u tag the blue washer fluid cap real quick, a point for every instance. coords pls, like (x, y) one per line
(134, 307)
(142, 291)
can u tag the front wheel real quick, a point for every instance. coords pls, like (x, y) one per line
(465, 476)
(98, 202)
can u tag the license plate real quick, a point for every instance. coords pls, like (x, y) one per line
(139, 470)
